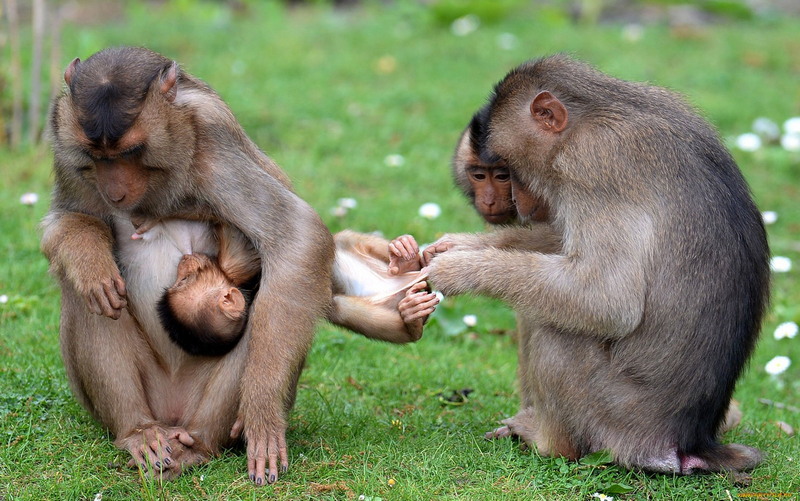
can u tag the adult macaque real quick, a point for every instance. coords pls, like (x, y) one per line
(205, 309)
(133, 134)
(646, 317)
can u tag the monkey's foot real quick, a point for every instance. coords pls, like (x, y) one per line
(403, 255)
(502, 432)
(160, 451)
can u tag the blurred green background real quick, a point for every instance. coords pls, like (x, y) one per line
(365, 100)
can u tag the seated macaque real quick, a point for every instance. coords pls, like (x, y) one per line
(379, 287)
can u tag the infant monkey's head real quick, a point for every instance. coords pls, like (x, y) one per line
(203, 311)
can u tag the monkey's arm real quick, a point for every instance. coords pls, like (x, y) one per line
(296, 252)
(80, 249)
(577, 293)
(536, 237)
(237, 257)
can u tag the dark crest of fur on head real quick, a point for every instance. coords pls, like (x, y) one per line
(478, 135)
(196, 341)
(108, 90)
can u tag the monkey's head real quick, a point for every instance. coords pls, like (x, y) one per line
(487, 185)
(526, 123)
(203, 312)
(484, 177)
(114, 127)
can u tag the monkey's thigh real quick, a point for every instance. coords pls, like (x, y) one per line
(103, 360)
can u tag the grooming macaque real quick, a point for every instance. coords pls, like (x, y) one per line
(204, 310)
(134, 135)
(634, 333)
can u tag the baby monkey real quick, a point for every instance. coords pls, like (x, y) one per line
(379, 286)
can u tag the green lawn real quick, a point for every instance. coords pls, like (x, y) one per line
(329, 95)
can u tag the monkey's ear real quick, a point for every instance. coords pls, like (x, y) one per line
(168, 80)
(232, 303)
(70, 71)
(549, 112)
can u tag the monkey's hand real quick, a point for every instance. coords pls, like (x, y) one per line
(264, 450)
(80, 247)
(403, 255)
(143, 226)
(416, 307)
(448, 242)
(102, 287)
(455, 272)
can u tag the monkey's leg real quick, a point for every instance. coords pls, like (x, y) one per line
(104, 362)
(216, 407)
(524, 374)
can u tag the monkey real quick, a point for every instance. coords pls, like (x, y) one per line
(469, 152)
(134, 135)
(486, 181)
(380, 288)
(204, 310)
(635, 332)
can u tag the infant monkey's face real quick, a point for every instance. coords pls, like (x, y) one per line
(204, 297)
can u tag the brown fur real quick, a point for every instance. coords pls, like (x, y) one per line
(654, 216)
(163, 143)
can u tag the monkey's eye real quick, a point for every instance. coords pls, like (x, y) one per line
(133, 151)
(502, 176)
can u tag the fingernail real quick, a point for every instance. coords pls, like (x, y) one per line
(252, 477)
(272, 478)
(259, 481)
(168, 449)
(157, 464)
(284, 468)
(167, 461)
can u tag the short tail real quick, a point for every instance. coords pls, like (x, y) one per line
(729, 457)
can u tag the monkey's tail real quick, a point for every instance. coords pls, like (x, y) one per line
(728, 457)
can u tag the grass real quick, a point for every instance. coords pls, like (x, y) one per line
(329, 94)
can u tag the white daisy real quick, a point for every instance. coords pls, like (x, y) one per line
(780, 264)
(786, 330)
(777, 365)
(430, 210)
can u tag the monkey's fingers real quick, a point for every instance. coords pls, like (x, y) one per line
(256, 460)
(433, 250)
(236, 429)
(277, 450)
(417, 299)
(406, 247)
(182, 436)
(109, 300)
(418, 307)
(119, 284)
